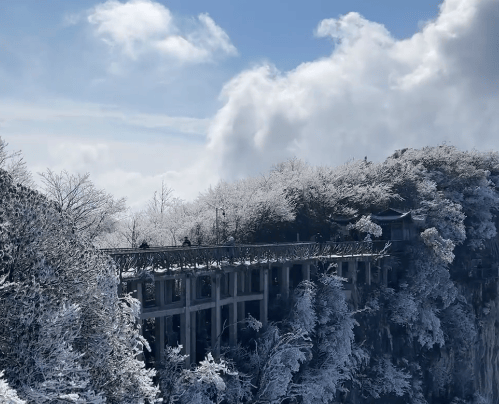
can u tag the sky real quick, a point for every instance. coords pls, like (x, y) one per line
(192, 92)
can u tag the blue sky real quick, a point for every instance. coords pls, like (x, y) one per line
(195, 91)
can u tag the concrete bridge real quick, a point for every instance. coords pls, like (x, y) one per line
(200, 296)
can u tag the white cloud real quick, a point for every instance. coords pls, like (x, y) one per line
(126, 153)
(352, 28)
(12, 111)
(132, 23)
(142, 26)
(80, 156)
(124, 168)
(181, 49)
(70, 19)
(373, 94)
(198, 126)
(211, 36)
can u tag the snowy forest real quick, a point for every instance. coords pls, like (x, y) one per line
(430, 337)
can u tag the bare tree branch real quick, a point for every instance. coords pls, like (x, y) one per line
(92, 210)
(15, 165)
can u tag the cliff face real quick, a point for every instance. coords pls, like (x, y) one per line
(462, 368)
(425, 329)
(484, 355)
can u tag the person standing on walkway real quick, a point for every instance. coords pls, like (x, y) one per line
(186, 242)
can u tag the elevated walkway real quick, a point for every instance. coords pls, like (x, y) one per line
(173, 259)
(186, 291)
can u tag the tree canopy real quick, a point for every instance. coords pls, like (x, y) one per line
(65, 335)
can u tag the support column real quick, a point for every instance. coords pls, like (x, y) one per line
(240, 282)
(159, 322)
(233, 309)
(241, 306)
(284, 284)
(169, 285)
(264, 303)
(352, 270)
(216, 317)
(368, 272)
(305, 271)
(140, 298)
(248, 280)
(159, 288)
(194, 282)
(159, 331)
(193, 337)
(185, 321)
(339, 270)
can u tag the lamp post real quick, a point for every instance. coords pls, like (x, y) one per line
(216, 224)
(216, 221)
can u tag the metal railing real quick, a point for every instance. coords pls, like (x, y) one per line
(174, 258)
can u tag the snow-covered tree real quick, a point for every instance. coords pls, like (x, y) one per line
(210, 382)
(388, 379)
(15, 165)
(7, 394)
(277, 358)
(64, 334)
(335, 358)
(92, 211)
(365, 225)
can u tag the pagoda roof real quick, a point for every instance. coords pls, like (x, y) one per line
(391, 215)
(343, 219)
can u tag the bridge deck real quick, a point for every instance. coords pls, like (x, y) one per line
(178, 258)
(185, 289)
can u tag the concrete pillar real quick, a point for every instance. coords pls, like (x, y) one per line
(240, 282)
(368, 272)
(185, 321)
(193, 336)
(138, 293)
(140, 297)
(241, 306)
(284, 281)
(352, 270)
(248, 281)
(216, 316)
(339, 270)
(305, 270)
(194, 282)
(233, 309)
(169, 286)
(159, 289)
(159, 322)
(159, 331)
(264, 303)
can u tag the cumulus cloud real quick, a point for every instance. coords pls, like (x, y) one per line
(143, 26)
(372, 95)
(80, 156)
(126, 153)
(122, 167)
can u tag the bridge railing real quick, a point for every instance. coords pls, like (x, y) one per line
(174, 258)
